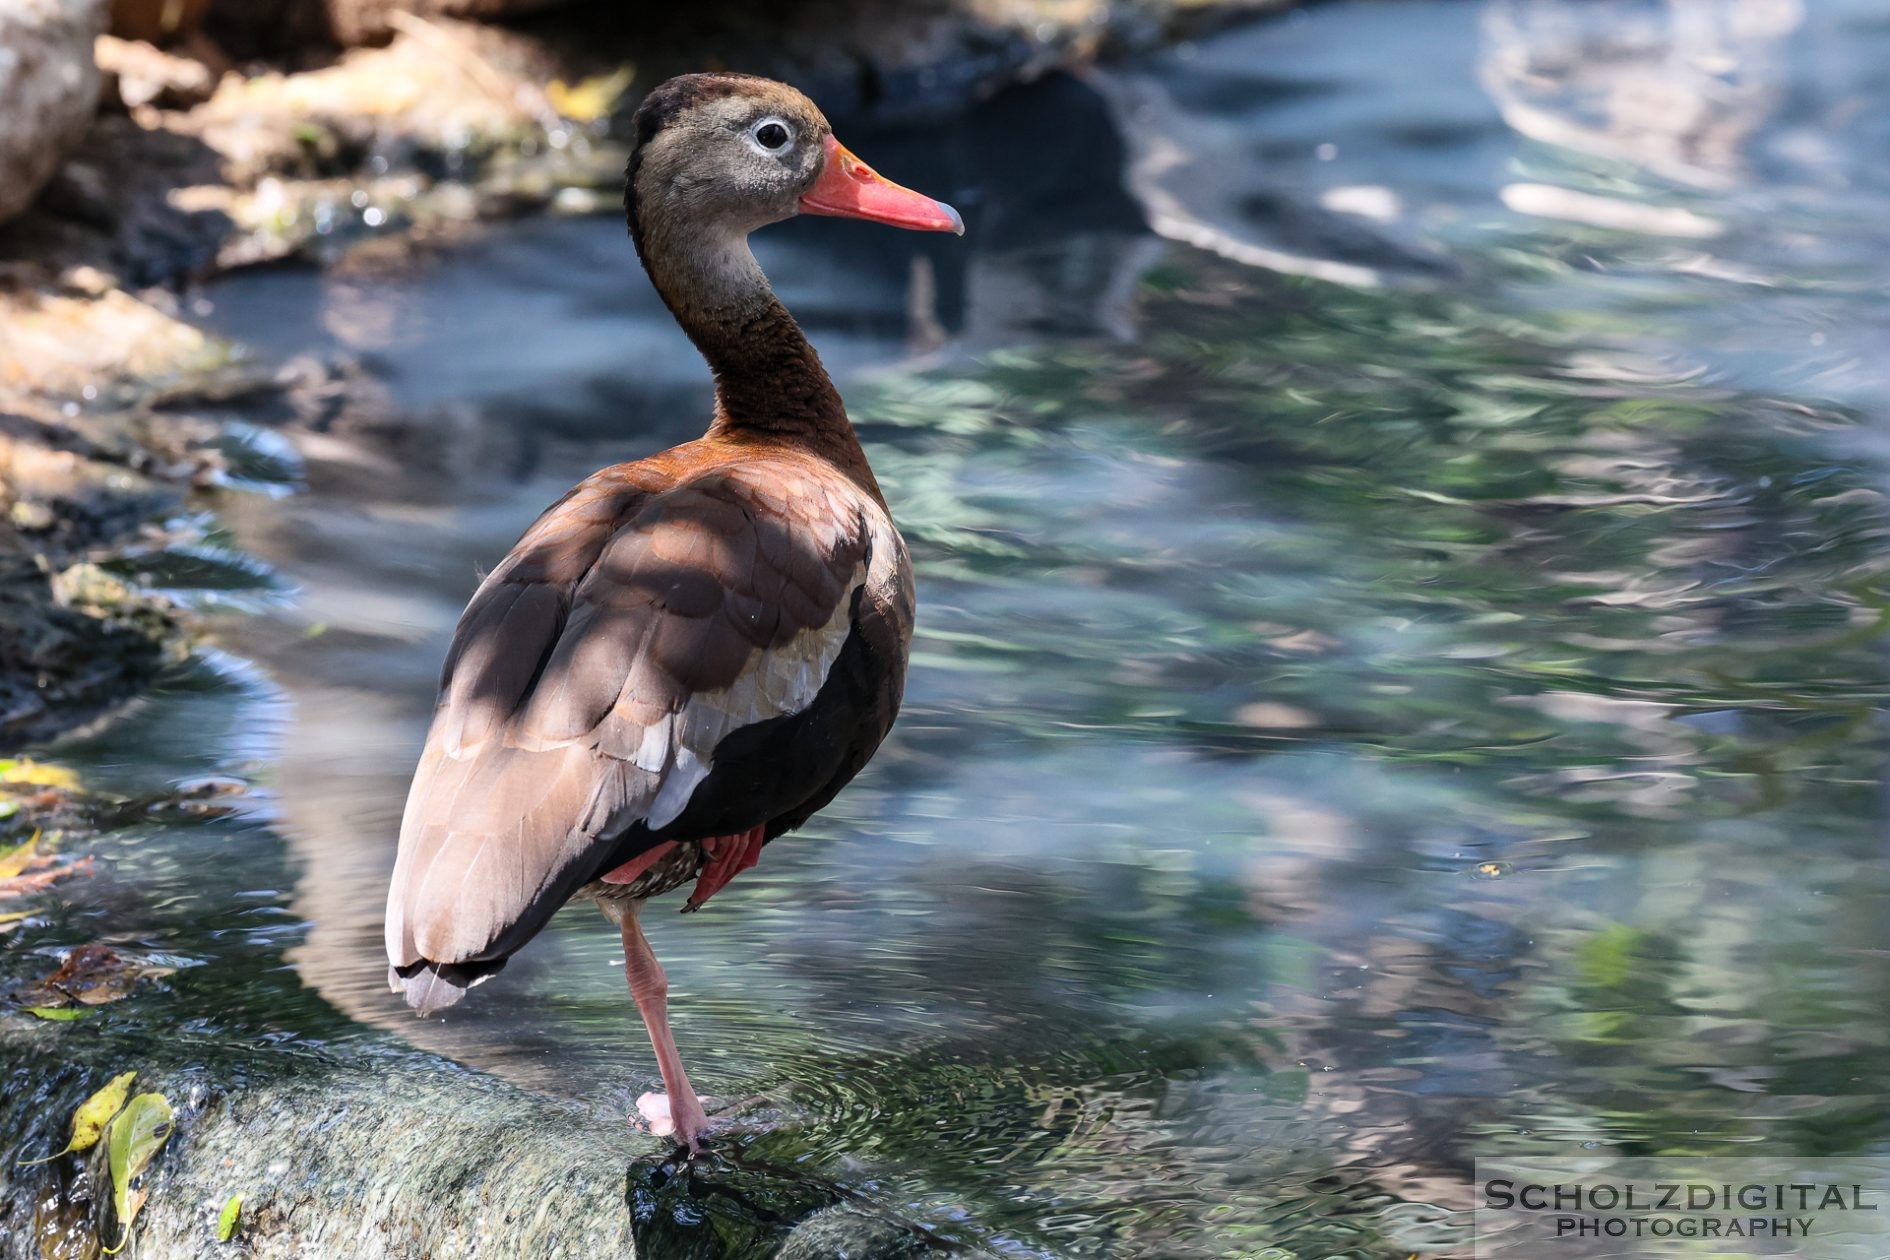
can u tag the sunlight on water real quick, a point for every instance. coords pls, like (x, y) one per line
(1354, 727)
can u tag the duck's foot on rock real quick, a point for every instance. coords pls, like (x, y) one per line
(661, 1119)
(653, 1116)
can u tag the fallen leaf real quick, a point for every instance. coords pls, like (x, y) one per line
(135, 1136)
(37, 773)
(91, 975)
(50, 871)
(592, 98)
(57, 1012)
(19, 857)
(226, 1219)
(89, 1121)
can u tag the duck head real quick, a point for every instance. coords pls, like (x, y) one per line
(725, 154)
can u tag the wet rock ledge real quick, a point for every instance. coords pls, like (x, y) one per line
(391, 1155)
(342, 1141)
(466, 1167)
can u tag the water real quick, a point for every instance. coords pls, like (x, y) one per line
(1401, 530)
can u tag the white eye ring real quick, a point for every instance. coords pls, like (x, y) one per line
(766, 124)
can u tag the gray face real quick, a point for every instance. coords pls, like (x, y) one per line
(741, 162)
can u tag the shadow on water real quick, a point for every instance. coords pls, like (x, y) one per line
(1355, 727)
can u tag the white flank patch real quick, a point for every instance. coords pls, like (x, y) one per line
(778, 682)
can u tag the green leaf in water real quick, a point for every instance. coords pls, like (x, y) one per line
(92, 1115)
(226, 1219)
(60, 1013)
(135, 1136)
(1611, 957)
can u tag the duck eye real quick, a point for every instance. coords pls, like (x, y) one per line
(771, 135)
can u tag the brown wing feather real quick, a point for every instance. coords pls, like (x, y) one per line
(635, 625)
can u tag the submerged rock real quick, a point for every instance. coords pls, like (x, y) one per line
(48, 90)
(848, 1230)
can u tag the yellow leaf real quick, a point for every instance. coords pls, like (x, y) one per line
(37, 774)
(592, 98)
(92, 1115)
(226, 1219)
(16, 859)
(134, 1138)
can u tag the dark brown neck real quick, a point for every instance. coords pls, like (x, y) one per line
(767, 377)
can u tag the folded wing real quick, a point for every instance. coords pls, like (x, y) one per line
(634, 627)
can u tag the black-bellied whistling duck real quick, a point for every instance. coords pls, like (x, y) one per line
(688, 655)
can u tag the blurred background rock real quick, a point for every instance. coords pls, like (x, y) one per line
(48, 90)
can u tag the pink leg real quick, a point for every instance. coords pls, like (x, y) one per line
(681, 1113)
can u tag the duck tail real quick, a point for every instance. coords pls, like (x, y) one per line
(430, 986)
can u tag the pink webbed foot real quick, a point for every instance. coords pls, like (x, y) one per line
(727, 857)
(654, 1108)
(661, 1120)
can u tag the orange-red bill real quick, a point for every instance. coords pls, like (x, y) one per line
(850, 189)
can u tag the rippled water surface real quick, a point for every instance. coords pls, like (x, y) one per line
(1397, 500)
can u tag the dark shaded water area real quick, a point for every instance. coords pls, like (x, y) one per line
(1398, 501)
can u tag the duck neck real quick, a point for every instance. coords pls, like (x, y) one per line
(768, 380)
